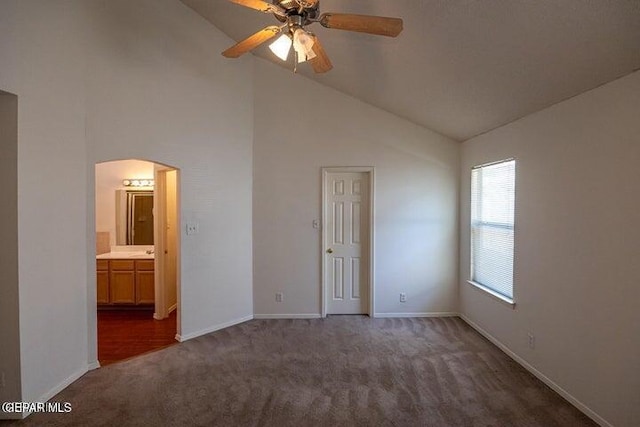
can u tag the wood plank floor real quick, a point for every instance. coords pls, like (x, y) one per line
(123, 334)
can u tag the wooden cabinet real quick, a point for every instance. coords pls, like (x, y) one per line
(122, 281)
(145, 286)
(125, 282)
(122, 287)
(103, 281)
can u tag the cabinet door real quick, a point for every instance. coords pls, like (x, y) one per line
(103, 287)
(123, 287)
(145, 287)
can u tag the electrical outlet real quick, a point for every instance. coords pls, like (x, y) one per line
(279, 296)
(403, 297)
(531, 340)
(192, 228)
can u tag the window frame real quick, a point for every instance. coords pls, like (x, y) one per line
(474, 225)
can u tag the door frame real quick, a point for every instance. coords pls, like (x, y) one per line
(325, 171)
(159, 217)
(161, 311)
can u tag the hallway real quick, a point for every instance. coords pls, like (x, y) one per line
(123, 334)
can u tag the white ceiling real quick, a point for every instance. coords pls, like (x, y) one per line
(463, 67)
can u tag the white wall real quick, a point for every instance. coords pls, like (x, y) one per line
(577, 258)
(159, 90)
(9, 290)
(301, 126)
(106, 80)
(45, 70)
(109, 176)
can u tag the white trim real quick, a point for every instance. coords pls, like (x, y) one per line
(505, 300)
(372, 276)
(555, 387)
(183, 338)
(425, 314)
(288, 316)
(63, 384)
(371, 171)
(60, 386)
(484, 165)
(93, 365)
(173, 308)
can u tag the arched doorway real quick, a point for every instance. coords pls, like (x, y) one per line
(137, 258)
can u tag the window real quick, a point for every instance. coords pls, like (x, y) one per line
(492, 218)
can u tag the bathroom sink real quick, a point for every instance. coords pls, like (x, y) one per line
(142, 255)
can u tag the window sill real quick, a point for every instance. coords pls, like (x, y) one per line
(501, 298)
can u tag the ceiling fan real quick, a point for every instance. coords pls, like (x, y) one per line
(295, 15)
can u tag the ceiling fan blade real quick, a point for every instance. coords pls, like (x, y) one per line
(378, 25)
(251, 42)
(321, 63)
(260, 5)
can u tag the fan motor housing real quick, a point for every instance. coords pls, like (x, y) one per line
(297, 8)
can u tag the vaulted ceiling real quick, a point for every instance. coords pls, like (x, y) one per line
(463, 67)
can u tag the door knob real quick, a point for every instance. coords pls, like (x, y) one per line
(329, 251)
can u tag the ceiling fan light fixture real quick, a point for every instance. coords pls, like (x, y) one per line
(281, 46)
(303, 45)
(294, 16)
(302, 57)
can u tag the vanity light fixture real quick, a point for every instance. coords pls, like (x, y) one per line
(137, 182)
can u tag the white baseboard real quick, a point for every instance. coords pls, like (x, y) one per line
(318, 315)
(169, 311)
(288, 316)
(562, 392)
(61, 386)
(93, 365)
(432, 314)
(183, 338)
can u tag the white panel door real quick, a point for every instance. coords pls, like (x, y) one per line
(346, 246)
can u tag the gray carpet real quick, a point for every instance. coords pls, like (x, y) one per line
(340, 371)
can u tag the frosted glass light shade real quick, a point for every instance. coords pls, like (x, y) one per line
(281, 47)
(303, 45)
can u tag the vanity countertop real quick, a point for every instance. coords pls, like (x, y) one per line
(128, 252)
(125, 255)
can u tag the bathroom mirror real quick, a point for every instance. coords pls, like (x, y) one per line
(134, 217)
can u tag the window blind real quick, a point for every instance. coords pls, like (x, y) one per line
(492, 226)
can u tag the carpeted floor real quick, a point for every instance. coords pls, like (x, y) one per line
(340, 371)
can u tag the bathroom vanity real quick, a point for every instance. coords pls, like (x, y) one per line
(125, 279)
